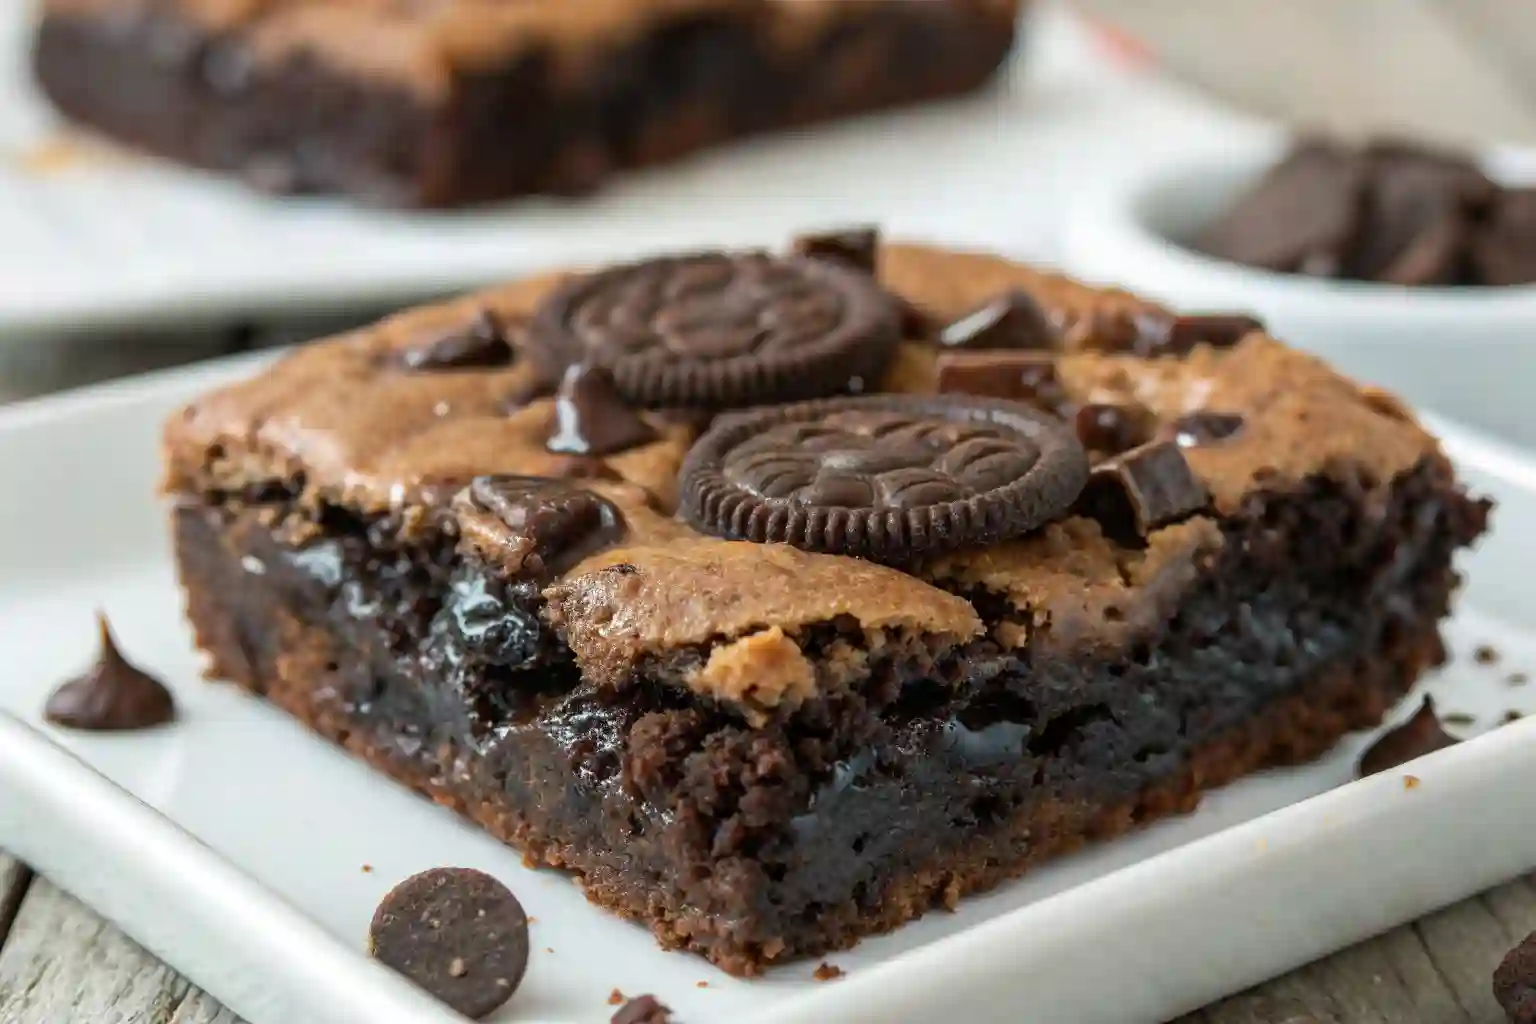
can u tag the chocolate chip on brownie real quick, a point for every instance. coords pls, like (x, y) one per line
(1514, 982)
(857, 247)
(885, 476)
(1422, 734)
(1028, 377)
(646, 1009)
(1138, 491)
(536, 526)
(114, 695)
(479, 342)
(458, 933)
(720, 331)
(1109, 429)
(1012, 320)
(592, 418)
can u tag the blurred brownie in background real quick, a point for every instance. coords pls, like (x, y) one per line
(446, 102)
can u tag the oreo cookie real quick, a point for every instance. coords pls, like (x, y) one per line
(720, 331)
(885, 477)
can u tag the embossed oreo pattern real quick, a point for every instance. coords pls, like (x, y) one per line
(884, 476)
(718, 331)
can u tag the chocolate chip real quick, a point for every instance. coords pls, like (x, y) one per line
(1112, 429)
(1013, 320)
(114, 695)
(1197, 428)
(1422, 734)
(1486, 654)
(1029, 377)
(1134, 493)
(551, 524)
(458, 933)
(645, 1009)
(479, 343)
(1219, 330)
(852, 247)
(592, 418)
(1514, 982)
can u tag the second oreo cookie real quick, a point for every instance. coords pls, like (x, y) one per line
(885, 477)
(722, 330)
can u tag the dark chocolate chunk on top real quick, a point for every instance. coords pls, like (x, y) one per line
(592, 418)
(1013, 320)
(479, 343)
(852, 247)
(1140, 490)
(549, 524)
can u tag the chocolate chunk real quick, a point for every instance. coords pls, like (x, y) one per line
(1219, 330)
(1136, 492)
(1112, 429)
(718, 331)
(915, 324)
(643, 1010)
(1197, 428)
(1514, 982)
(480, 343)
(1422, 734)
(1013, 320)
(550, 525)
(592, 418)
(852, 247)
(1028, 377)
(1503, 251)
(113, 696)
(1301, 213)
(458, 933)
(882, 476)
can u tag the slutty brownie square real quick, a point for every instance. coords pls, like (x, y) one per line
(447, 102)
(783, 597)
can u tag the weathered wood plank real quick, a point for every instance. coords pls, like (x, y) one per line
(1466, 942)
(14, 877)
(62, 963)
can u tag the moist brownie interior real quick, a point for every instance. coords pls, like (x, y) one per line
(449, 102)
(765, 752)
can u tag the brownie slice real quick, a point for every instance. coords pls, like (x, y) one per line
(764, 751)
(449, 102)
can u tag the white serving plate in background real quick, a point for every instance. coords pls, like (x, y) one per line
(232, 843)
(103, 242)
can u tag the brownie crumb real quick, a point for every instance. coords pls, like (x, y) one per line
(1458, 718)
(458, 933)
(1410, 782)
(1422, 734)
(701, 984)
(1517, 679)
(367, 869)
(1486, 654)
(645, 1009)
(1514, 982)
(615, 997)
(114, 695)
(827, 972)
(1511, 716)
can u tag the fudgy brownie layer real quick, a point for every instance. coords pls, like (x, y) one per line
(867, 805)
(303, 123)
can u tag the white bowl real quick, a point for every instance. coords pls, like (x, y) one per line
(1468, 352)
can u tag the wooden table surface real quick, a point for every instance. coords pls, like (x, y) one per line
(1457, 70)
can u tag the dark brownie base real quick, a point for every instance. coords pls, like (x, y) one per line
(167, 86)
(862, 809)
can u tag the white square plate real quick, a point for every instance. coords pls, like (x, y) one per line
(105, 240)
(250, 878)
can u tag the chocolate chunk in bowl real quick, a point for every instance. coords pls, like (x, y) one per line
(721, 331)
(885, 477)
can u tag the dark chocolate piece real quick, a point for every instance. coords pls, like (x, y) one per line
(551, 524)
(1220, 330)
(1514, 982)
(645, 1009)
(858, 248)
(1111, 429)
(481, 342)
(113, 696)
(458, 933)
(592, 418)
(1422, 734)
(1013, 320)
(719, 331)
(883, 476)
(1028, 377)
(1199, 428)
(1140, 490)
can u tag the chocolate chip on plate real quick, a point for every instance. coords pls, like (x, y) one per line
(1012, 320)
(1138, 491)
(480, 342)
(1422, 734)
(719, 331)
(646, 1009)
(1514, 982)
(114, 695)
(537, 526)
(885, 477)
(856, 247)
(458, 933)
(1028, 377)
(592, 418)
